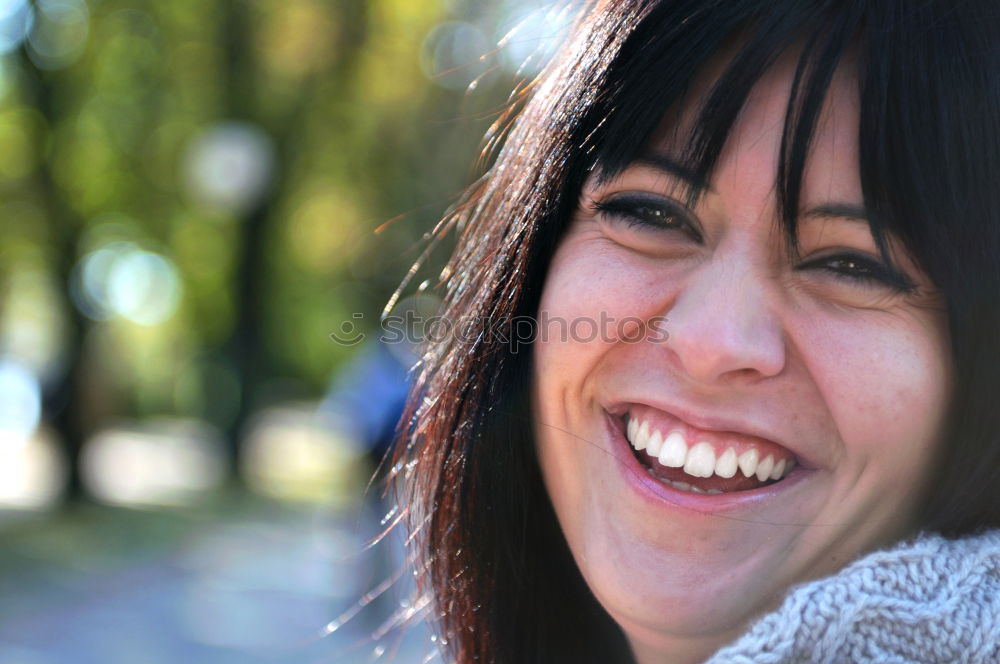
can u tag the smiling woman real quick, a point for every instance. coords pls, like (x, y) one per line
(800, 466)
(768, 450)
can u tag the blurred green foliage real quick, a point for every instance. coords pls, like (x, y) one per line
(114, 122)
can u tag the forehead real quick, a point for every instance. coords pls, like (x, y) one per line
(751, 153)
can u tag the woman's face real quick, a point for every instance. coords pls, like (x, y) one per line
(824, 363)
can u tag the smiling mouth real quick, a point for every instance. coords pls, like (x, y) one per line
(704, 462)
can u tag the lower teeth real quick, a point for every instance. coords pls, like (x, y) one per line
(684, 486)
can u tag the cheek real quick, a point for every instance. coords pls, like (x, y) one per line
(886, 385)
(568, 338)
(582, 279)
(596, 293)
(581, 305)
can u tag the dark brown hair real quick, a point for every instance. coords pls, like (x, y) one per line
(489, 550)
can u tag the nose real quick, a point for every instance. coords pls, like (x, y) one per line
(723, 325)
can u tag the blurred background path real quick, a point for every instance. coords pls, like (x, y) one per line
(243, 581)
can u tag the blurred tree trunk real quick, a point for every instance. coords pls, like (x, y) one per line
(63, 404)
(247, 350)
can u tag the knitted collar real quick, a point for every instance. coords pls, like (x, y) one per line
(927, 599)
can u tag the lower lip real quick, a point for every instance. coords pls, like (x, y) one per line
(664, 495)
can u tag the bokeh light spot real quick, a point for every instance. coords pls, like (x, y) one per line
(453, 54)
(120, 279)
(229, 166)
(32, 473)
(143, 287)
(16, 19)
(59, 33)
(20, 403)
(531, 34)
(298, 454)
(165, 462)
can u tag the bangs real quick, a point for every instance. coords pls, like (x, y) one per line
(905, 119)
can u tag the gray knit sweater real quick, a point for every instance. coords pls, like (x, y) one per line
(926, 600)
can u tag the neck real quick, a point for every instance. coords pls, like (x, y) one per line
(664, 649)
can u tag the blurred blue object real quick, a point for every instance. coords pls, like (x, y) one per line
(368, 396)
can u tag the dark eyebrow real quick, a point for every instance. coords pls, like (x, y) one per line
(839, 210)
(664, 162)
(670, 166)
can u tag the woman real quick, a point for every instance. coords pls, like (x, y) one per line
(784, 219)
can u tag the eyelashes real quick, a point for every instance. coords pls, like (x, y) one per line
(863, 270)
(649, 212)
(644, 212)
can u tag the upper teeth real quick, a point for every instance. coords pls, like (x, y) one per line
(700, 460)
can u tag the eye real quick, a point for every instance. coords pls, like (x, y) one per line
(862, 270)
(648, 212)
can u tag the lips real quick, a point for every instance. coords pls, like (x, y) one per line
(704, 461)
